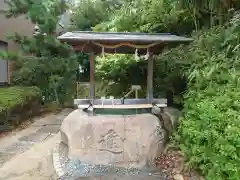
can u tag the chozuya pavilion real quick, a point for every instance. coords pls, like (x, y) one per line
(109, 138)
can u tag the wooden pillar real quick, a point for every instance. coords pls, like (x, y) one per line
(92, 76)
(10, 70)
(150, 80)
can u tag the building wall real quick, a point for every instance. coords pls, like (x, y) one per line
(8, 27)
(23, 27)
(3, 65)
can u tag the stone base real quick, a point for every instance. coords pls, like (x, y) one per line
(94, 145)
(121, 140)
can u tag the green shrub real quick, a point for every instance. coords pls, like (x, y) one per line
(18, 103)
(11, 97)
(210, 130)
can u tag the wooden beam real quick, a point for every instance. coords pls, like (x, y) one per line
(150, 80)
(92, 76)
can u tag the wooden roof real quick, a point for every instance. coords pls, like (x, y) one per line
(120, 42)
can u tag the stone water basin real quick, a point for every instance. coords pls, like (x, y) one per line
(119, 142)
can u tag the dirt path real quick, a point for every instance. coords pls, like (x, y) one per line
(27, 154)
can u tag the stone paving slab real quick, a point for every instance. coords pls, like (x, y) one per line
(49, 129)
(34, 164)
(24, 146)
(17, 147)
(4, 157)
(53, 119)
(35, 137)
(50, 119)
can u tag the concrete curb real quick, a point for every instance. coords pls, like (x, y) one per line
(56, 162)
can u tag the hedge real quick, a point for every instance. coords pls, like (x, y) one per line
(17, 104)
(210, 128)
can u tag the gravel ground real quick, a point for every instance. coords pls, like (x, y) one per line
(71, 169)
